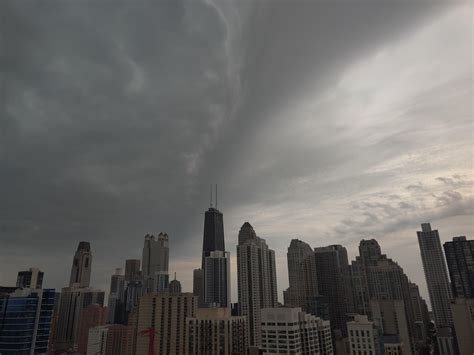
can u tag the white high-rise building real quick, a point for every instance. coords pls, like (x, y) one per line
(292, 331)
(364, 337)
(256, 279)
(217, 279)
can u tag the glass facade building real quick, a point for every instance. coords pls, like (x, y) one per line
(25, 321)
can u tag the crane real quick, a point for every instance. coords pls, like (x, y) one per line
(150, 334)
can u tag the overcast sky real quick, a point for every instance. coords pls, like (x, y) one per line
(327, 121)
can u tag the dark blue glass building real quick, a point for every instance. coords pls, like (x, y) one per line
(25, 321)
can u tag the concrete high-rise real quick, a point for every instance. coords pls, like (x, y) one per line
(217, 279)
(291, 331)
(32, 278)
(155, 261)
(302, 275)
(333, 277)
(436, 275)
(256, 279)
(81, 266)
(364, 337)
(166, 313)
(215, 331)
(91, 316)
(72, 301)
(460, 258)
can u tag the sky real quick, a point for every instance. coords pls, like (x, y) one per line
(330, 122)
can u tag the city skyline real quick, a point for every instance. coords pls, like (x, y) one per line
(330, 123)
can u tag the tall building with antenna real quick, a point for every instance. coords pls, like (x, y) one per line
(213, 237)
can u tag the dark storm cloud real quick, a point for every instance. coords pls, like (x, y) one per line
(116, 116)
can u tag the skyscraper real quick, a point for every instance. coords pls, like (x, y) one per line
(132, 269)
(91, 316)
(213, 237)
(198, 286)
(81, 266)
(460, 258)
(301, 276)
(334, 283)
(217, 279)
(155, 261)
(436, 275)
(33, 278)
(256, 279)
(25, 320)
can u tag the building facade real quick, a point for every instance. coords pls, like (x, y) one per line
(155, 261)
(215, 331)
(292, 331)
(463, 317)
(89, 317)
(217, 279)
(460, 258)
(72, 301)
(165, 314)
(25, 320)
(333, 277)
(364, 337)
(256, 279)
(81, 266)
(32, 278)
(110, 339)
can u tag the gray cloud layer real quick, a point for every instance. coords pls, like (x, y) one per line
(116, 117)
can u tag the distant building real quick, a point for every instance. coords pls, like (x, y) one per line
(72, 301)
(110, 339)
(436, 275)
(132, 269)
(175, 286)
(391, 319)
(302, 276)
(198, 286)
(215, 331)
(81, 266)
(91, 316)
(217, 279)
(213, 236)
(166, 314)
(463, 317)
(364, 337)
(256, 279)
(460, 258)
(32, 278)
(25, 320)
(292, 331)
(333, 277)
(116, 297)
(155, 261)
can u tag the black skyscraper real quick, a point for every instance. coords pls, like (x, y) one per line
(213, 238)
(460, 258)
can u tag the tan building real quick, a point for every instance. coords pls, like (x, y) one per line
(110, 339)
(90, 317)
(166, 313)
(363, 336)
(463, 317)
(215, 331)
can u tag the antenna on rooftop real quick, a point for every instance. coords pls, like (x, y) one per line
(216, 196)
(211, 196)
